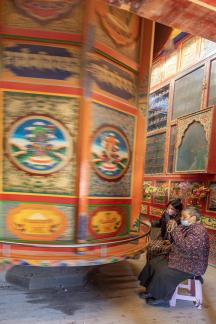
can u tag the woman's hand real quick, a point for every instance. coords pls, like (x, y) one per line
(171, 224)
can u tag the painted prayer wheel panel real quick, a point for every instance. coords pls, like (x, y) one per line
(70, 131)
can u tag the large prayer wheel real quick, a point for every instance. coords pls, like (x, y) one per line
(74, 81)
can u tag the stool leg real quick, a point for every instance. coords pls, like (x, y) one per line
(198, 294)
(192, 287)
(172, 301)
(189, 284)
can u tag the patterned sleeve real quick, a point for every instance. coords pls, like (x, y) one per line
(191, 241)
(178, 218)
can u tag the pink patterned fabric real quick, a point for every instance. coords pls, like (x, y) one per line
(190, 249)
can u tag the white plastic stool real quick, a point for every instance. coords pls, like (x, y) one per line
(194, 287)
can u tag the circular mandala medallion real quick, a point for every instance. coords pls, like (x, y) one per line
(39, 144)
(110, 153)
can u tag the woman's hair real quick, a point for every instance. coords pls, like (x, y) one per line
(193, 211)
(176, 203)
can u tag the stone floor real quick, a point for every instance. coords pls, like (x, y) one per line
(109, 297)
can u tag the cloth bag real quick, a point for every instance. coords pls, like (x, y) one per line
(158, 247)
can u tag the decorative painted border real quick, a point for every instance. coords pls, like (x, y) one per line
(51, 95)
(144, 209)
(209, 197)
(112, 79)
(155, 211)
(52, 121)
(163, 185)
(119, 209)
(9, 232)
(209, 222)
(33, 222)
(109, 44)
(203, 117)
(57, 65)
(116, 110)
(33, 27)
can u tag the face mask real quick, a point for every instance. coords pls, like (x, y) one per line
(185, 222)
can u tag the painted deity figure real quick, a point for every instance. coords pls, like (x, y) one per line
(110, 152)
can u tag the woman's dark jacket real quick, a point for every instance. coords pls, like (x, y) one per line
(190, 249)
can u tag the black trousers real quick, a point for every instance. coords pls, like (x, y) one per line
(159, 280)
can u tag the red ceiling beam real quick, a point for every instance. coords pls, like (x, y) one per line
(197, 17)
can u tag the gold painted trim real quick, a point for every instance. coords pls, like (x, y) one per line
(34, 195)
(42, 92)
(117, 108)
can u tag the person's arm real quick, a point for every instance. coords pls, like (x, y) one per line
(158, 222)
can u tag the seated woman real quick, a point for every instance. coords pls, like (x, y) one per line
(188, 257)
(172, 212)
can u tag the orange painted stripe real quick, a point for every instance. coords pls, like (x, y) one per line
(14, 247)
(115, 104)
(36, 33)
(116, 201)
(47, 199)
(182, 177)
(138, 170)
(116, 55)
(40, 88)
(84, 154)
(123, 252)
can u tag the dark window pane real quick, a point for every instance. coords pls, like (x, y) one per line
(187, 93)
(208, 48)
(192, 153)
(171, 149)
(212, 87)
(212, 197)
(154, 161)
(158, 106)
